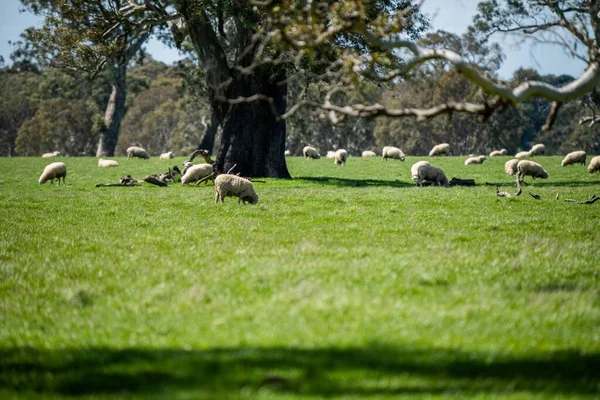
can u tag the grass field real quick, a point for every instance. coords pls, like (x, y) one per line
(345, 282)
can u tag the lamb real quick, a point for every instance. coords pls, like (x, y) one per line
(414, 170)
(167, 156)
(537, 150)
(497, 153)
(432, 174)
(51, 155)
(574, 157)
(594, 165)
(475, 160)
(368, 153)
(135, 151)
(340, 157)
(310, 152)
(392, 152)
(533, 169)
(511, 167)
(331, 154)
(54, 171)
(196, 172)
(227, 185)
(102, 163)
(523, 154)
(439, 149)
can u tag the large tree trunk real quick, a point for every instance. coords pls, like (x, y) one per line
(253, 137)
(207, 141)
(115, 110)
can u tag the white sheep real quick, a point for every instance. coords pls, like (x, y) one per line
(310, 152)
(330, 154)
(167, 156)
(54, 171)
(196, 172)
(530, 168)
(439, 149)
(475, 160)
(51, 155)
(287, 153)
(340, 157)
(575, 157)
(227, 185)
(432, 174)
(511, 167)
(368, 153)
(537, 149)
(135, 151)
(414, 170)
(523, 154)
(594, 165)
(497, 153)
(392, 152)
(102, 163)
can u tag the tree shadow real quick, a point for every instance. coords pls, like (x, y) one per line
(330, 180)
(225, 372)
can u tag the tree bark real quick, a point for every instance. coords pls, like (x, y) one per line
(207, 141)
(115, 110)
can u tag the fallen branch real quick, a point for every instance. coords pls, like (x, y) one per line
(592, 200)
(117, 184)
(462, 182)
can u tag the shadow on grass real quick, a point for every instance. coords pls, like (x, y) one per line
(368, 371)
(330, 180)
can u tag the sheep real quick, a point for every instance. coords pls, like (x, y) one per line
(196, 172)
(392, 152)
(227, 185)
(475, 160)
(368, 153)
(594, 165)
(511, 167)
(107, 163)
(497, 153)
(330, 154)
(574, 157)
(51, 155)
(287, 153)
(167, 156)
(139, 152)
(523, 154)
(537, 149)
(439, 149)
(54, 171)
(414, 170)
(433, 174)
(340, 157)
(310, 152)
(533, 169)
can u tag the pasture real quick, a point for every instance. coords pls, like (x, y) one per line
(345, 282)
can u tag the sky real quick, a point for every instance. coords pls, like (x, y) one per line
(450, 15)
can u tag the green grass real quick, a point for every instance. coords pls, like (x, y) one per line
(345, 282)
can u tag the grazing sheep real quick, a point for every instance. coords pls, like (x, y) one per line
(594, 165)
(227, 185)
(392, 152)
(475, 160)
(537, 150)
(368, 153)
(310, 152)
(196, 172)
(497, 153)
(54, 171)
(51, 155)
(330, 154)
(530, 168)
(523, 154)
(167, 156)
(431, 174)
(414, 170)
(574, 157)
(135, 151)
(511, 167)
(102, 163)
(340, 157)
(287, 153)
(439, 149)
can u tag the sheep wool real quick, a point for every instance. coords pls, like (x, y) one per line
(575, 157)
(537, 150)
(530, 168)
(511, 167)
(54, 171)
(523, 154)
(102, 163)
(475, 160)
(310, 152)
(431, 174)
(135, 151)
(368, 153)
(51, 155)
(414, 170)
(196, 172)
(167, 156)
(340, 157)
(497, 153)
(594, 165)
(330, 154)
(227, 185)
(287, 153)
(392, 152)
(439, 149)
